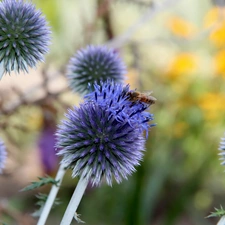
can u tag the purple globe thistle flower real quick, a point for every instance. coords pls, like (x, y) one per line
(115, 98)
(93, 64)
(101, 137)
(92, 139)
(3, 155)
(24, 36)
(222, 149)
(46, 144)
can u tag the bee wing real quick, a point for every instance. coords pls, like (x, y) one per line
(148, 93)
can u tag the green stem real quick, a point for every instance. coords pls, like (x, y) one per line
(52, 196)
(2, 70)
(75, 200)
(221, 221)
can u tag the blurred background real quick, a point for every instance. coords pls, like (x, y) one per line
(176, 48)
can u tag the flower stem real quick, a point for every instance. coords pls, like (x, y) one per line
(52, 195)
(221, 221)
(75, 200)
(2, 70)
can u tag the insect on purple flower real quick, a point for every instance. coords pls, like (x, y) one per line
(102, 139)
(104, 134)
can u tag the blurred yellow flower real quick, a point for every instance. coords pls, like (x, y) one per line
(216, 17)
(219, 61)
(183, 63)
(181, 27)
(211, 17)
(212, 105)
(217, 36)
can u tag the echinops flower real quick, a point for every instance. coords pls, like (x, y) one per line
(222, 149)
(24, 36)
(101, 138)
(3, 155)
(46, 144)
(115, 98)
(92, 139)
(93, 64)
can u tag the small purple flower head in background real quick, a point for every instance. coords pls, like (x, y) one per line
(222, 149)
(3, 155)
(46, 144)
(93, 64)
(100, 136)
(24, 36)
(46, 141)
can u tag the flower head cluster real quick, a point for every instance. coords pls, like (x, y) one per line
(3, 155)
(101, 136)
(24, 36)
(222, 149)
(93, 64)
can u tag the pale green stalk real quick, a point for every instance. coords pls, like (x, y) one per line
(75, 200)
(2, 70)
(221, 221)
(52, 195)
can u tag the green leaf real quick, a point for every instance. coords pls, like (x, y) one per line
(42, 198)
(218, 213)
(42, 181)
(37, 213)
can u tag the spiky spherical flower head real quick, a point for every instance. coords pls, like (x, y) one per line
(24, 36)
(93, 64)
(92, 139)
(3, 155)
(100, 137)
(222, 149)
